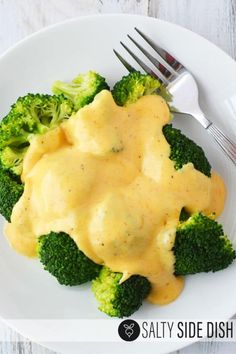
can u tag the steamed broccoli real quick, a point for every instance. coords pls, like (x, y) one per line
(61, 257)
(135, 85)
(117, 299)
(201, 246)
(82, 89)
(184, 150)
(31, 114)
(12, 159)
(10, 192)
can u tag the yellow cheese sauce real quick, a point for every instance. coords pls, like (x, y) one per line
(104, 177)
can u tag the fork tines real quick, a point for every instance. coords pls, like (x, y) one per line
(166, 66)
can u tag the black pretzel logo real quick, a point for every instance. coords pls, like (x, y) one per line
(129, 329)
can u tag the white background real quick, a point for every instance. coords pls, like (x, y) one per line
(213, 19)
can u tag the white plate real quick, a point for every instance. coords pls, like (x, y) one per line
(62, 51)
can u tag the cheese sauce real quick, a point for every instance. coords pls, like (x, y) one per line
(104, 177)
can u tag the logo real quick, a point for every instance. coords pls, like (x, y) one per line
(129, 330)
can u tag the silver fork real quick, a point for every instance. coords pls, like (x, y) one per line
(181, 85)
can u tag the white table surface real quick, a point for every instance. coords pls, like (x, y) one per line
(213, 19)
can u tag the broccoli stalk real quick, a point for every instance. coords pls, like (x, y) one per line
(61, 257)
(30, 115)
(119, 300)
(201, 246)
(82, 89)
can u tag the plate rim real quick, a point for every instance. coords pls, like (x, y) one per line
(82, 18)
(94, 16)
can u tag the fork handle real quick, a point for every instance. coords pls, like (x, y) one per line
(226, 144)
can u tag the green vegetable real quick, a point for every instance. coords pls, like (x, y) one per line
(82, 89)
(116, 299)
(12, 159)
(61, 257)
(30, 115)
(11, 190)
(135, 85)
(201, 246)
(184, 215)
(184, 150)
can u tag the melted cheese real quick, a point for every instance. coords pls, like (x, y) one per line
(104, 177)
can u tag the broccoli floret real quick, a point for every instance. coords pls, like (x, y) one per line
(10, 192)
(82, 89)
(12, 159)
(61, 257)
(31, 114)
(201, 246)
(133, 86)
(119, 300)
(184, 150)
